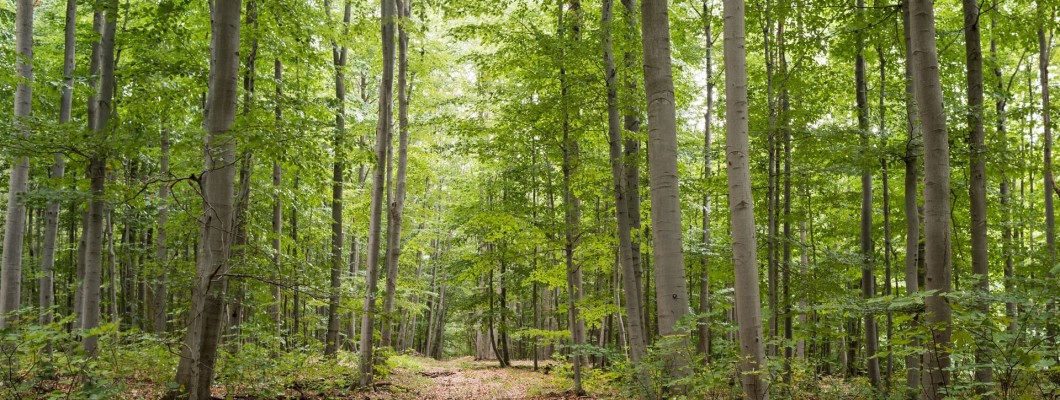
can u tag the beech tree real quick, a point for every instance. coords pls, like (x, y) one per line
(382, 138)
(670, 284)
(199, 356)
(938, 273)
(14, 227)
(741, 206)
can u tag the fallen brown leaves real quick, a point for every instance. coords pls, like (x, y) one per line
(467, 379)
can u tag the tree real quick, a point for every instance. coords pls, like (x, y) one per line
(277, 206)
(14, 227)
(196, 371)
(51, 228)
(670, 284)
(382, 138)
(637, 349)
(97, 173)
(159, 294)
(571, 203)
(977, 171)
(338, 166)
(868, 277)
(704, 344)
(912, 177)
(937, 243)
(741, 206)
(397, 205)
(1047, 147)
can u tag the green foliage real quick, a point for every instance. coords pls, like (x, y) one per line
(45, 361)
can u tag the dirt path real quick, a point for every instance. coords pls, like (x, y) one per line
(464, 378)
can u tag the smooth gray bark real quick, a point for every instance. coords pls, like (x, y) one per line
(1007, 237)
(912, 214)
(331, 337)
(97, 165)
(671, 287)
(160, 291)
(634, 327)
(977, 176)
(741, 206)
(1047, 166)
(571, 203)
(14, 227)
(937, 246)
(868, 257)
(277, 206)
(383, 133)
(396, 208)
(804, 266)
(205, 316)
(703, 343)
(785, 260)
(51, 228)
(93, 279)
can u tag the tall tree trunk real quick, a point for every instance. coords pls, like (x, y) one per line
(382, 137)
(196, 370)
(236, 303)
(124, 282)
(936, 197)
(160, 291)
(1006, 206)
(112, 271)
(868, 257)
(804, 266)
(355, 266)
(771, 178)
(97, 177)
(912, 177)
(277, 205)
(625, 244)
(432, 326)
(785, 270)
(434, 348)
(670, 285)
(1043, 71)
(502, 328)
(1047, 150)
(631, 150)
(407, 333)
(51, 229)
(397, 205)
(885, 179)
(703, 345)
(82, 253)
(296, 300)
(331, 338)
(571, 203)
(93, 279)
(741, 206)
(14, 228)
(977, 177)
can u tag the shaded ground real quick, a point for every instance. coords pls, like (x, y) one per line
(411, 377)
(464, 378)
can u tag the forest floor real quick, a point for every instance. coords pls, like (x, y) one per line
(465, 378)
(410, 377)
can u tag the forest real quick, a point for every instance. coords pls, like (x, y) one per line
(528, 199)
